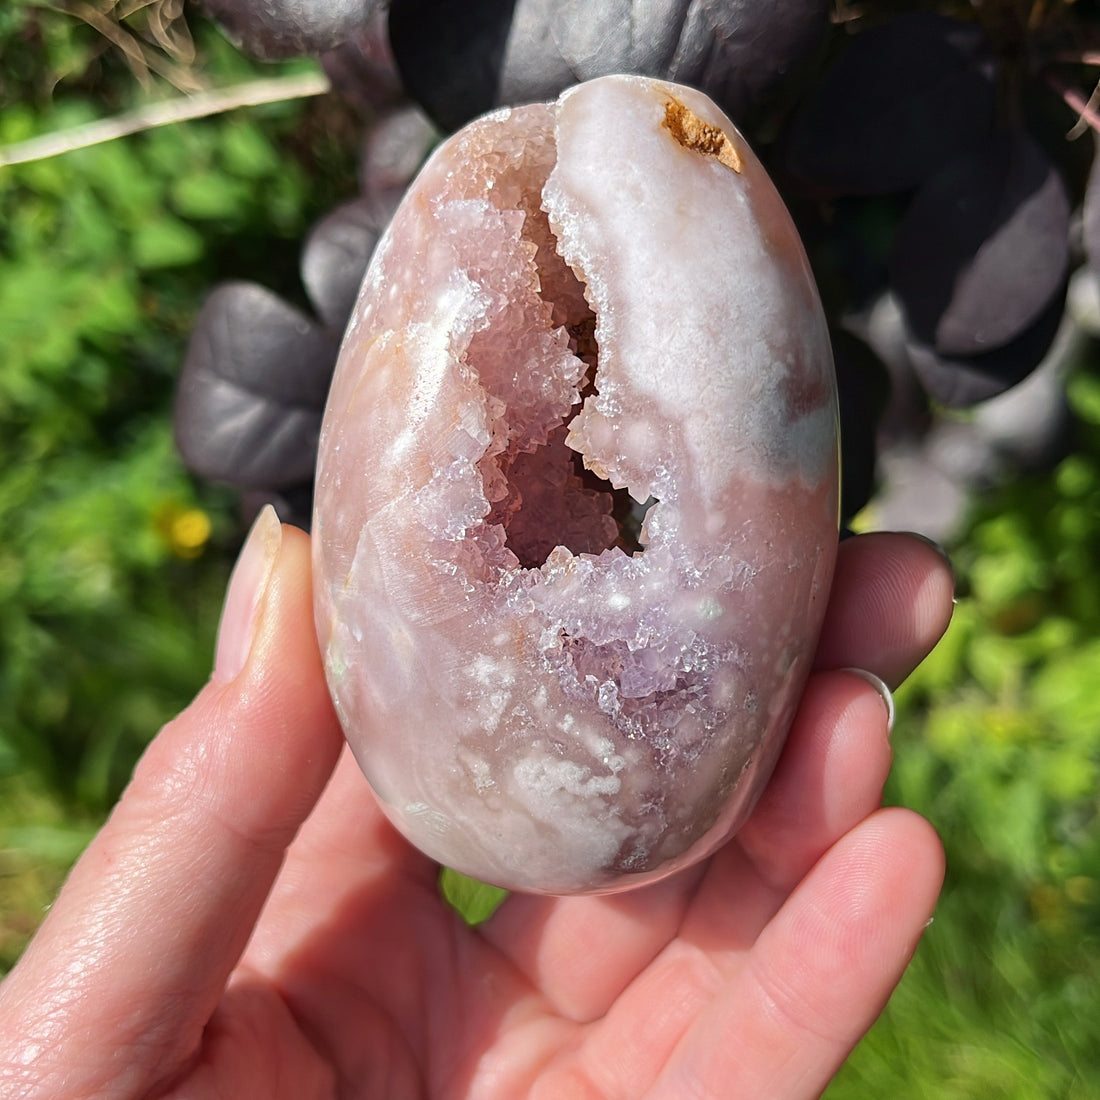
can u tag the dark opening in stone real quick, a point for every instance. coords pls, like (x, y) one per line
(541, 494)
(560, 501)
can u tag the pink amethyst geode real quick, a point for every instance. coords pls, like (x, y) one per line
(576, 507)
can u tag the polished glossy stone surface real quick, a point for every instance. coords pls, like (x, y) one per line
(577, 492)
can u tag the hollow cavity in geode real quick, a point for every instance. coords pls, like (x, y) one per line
(576, 497)
(541, 492)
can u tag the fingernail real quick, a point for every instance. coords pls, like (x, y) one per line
(245, 594)
(885, 693)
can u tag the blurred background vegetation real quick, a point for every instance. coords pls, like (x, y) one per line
(998, 744)
(113, 560)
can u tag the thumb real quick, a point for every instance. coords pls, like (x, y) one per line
(114, 992)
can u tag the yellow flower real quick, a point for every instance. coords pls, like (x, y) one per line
(189, 532)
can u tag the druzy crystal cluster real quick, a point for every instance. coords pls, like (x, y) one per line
(576, 499)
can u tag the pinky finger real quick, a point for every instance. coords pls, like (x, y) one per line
(820, 973)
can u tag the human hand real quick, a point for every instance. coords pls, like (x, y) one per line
(248, 924)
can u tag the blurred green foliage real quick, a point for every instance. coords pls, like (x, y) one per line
(475, 901)
(112, 560)
(998, 744)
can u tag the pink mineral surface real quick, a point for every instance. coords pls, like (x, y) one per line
(576, 508)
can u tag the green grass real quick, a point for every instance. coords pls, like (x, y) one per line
(40, 837)
(113, 560)
(998, 743)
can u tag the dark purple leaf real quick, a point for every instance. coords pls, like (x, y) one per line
(459, 60)
(906, 415)
(336, 255)
(252, 390)
(983, 248)
(613, 36)
(740, 51)
(960, 381)
(293, 505)
(904, 98)
(287, 28)
(1030, 427)
(862, 386)
(917, 494)
(450, 55)
(396, 147)
(737, 51)
(362, 68)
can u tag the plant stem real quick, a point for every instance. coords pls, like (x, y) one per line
(1086, 108)
(165, 113)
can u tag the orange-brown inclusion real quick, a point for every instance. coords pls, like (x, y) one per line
(693, 133)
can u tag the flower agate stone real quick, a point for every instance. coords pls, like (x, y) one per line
(576, 506)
